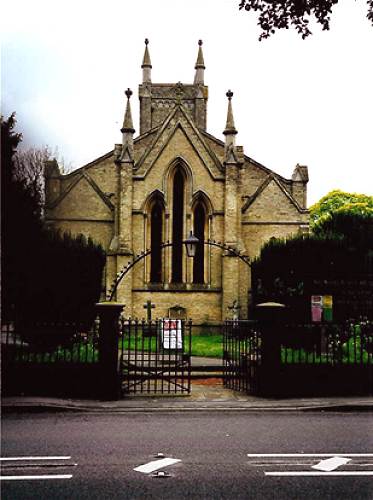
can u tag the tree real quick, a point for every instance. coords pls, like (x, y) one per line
(345, 216)
(45, 276)
(335, 259)
(20, 212)
(291, 271)
(280, 14)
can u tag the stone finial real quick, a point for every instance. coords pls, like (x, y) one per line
(146, 64)
(230, 129)
(127, 122)
(200, 65)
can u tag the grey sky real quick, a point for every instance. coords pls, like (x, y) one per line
(66, 65)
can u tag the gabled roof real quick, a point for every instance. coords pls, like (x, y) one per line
(83, 175)
(167, 130)
(89, 165)
(247, 159)
(271, 178)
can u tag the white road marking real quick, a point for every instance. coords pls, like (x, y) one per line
(285, 455)
(323, 468)
(28, 478)
(334, 473)
(156, 464)
(3, 459)
(331, 464)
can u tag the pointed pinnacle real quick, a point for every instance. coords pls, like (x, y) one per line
(127, 122)
(229, 127)
(146, 63)
(200, 62)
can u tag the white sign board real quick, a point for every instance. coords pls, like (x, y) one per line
(171, 334)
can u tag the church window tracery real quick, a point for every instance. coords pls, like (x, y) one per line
(156, 232)
(199, 232)
(177, 227)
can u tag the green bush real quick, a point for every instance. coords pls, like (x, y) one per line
(290, 271)
(62, 281)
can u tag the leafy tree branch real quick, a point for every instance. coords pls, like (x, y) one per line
(283, 14)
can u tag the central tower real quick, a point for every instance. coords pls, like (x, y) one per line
(158, 99)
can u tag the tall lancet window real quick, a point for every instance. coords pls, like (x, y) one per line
(155, 242)
(177, 227)
(199, 231)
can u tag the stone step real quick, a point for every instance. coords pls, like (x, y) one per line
(205, 375)
(207, 368)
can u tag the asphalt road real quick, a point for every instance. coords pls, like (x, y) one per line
(212, 448)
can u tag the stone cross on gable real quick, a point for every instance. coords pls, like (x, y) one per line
(149, 306)
(235, 308)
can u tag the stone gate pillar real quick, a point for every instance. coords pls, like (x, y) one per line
(271, 317)
(109, 313)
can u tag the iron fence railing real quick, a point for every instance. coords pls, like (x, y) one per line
(47, 343)
(349, 343)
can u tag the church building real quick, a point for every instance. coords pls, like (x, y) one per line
(171, 179)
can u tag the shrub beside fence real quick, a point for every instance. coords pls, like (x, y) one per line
(322, 359)
(280, 359)
(50, 359)
(331, 344)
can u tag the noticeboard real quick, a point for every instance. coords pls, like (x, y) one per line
(316, 308)
(171, 334)
(321, 308)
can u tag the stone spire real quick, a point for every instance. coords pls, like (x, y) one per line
(127, 129)
(146, 65)
(200, 66)
(230, 130)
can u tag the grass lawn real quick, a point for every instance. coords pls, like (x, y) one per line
(210, 346)
(202, 345)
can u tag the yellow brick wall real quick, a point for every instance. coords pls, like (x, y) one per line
(200, 306)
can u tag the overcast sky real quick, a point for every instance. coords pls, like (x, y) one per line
(65, 66)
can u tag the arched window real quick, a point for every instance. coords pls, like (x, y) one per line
(199, 231)
(177, 227)
(156, 219)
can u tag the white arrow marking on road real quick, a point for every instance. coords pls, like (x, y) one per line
(331, 463)
(156, 464)
(28, 478)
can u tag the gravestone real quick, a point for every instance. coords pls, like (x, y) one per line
(177, 312)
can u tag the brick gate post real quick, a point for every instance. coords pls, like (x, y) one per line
(271, 316)
(109, 313)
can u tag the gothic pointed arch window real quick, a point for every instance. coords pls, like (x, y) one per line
(199, 231)
(156, 232)
(178, 186)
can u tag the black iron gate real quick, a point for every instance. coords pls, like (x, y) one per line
(241, 355)
(155, 356)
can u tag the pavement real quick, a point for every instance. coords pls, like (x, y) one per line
(208, 394)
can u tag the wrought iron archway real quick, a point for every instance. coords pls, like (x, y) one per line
(147, 252)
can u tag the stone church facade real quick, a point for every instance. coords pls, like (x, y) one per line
(173, 178)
